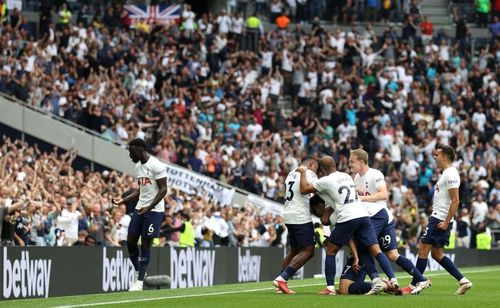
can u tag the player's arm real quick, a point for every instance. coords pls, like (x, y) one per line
(132, 196)
(181, 228)
(453, 208)
(354, 251)
(325, 218)
(162, 191)
(380, 195)
(305, 187)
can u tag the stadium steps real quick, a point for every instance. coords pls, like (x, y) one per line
(437, 11)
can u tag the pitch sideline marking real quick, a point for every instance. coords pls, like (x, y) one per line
(236, 292)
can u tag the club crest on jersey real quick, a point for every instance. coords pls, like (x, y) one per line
(144, 181)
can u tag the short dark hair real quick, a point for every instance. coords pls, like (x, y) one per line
(447, 151)
(138, 142)
(307, 158)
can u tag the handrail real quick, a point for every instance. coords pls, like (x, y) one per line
(60, 119)
(118, 143)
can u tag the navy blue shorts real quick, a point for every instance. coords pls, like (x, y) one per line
(349, 273)
(300, 235)
(361, 228)
(434, 236)
(386, 232)
(146, 225)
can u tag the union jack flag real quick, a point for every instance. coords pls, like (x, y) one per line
(154, 13)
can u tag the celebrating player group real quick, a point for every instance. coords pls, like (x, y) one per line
(355, 207)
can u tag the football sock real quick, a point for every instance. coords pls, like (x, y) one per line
(143, 263)
(421, 265)
(287, 273)
(450, 267)
(330, 270)
(360, 287)
(133, 254)
(385, 265)
(406, 264)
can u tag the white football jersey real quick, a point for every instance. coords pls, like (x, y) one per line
(147, 174)
(367, 185)
(338, 190)
(450, 178)
(296, 209)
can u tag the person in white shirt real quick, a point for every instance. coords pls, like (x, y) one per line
(297, 217)
(188, 17)
(372, 190)
(437, 233)
(224, 22)
(68, 221)
(148, 214)
(479, 210)
(339, 192)
(476, 173)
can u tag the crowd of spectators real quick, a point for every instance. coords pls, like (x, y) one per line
(44, 201)
(245, 115)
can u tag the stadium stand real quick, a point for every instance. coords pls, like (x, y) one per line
(245, 110)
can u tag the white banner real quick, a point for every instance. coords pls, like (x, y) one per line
(265, 205)
(195, 184)
(11, 4)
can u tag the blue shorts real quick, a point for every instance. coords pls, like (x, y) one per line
(435, 237)
(300, 235)
(386, 232)
(146, 225)
(349, 273)
(361, 228)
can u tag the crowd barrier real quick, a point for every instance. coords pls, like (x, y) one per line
(49, 272)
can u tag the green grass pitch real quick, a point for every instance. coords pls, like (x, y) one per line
(485, 293)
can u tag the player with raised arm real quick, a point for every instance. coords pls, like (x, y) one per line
(437, 233)
(298, 221)
(372, 190)
(338, 191)
(148, 213)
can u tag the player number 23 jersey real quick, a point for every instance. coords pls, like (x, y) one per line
(450, 178)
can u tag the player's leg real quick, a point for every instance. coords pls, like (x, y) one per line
(288, 258)
(365, 234)
(150, 231)
(134, 232)
(438, 255)
(388, 244)
(339, 237)
(301, 238)
(330, 266)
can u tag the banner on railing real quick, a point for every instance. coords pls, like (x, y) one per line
(196, 184)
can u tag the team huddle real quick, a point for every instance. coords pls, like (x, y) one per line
(355, 208)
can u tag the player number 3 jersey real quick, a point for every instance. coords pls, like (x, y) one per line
(450, 178)
(147, 174)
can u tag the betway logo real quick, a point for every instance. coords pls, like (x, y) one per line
(25, 277)
(432, 265)
(248, 267)
(191, 268)
(117, 272)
